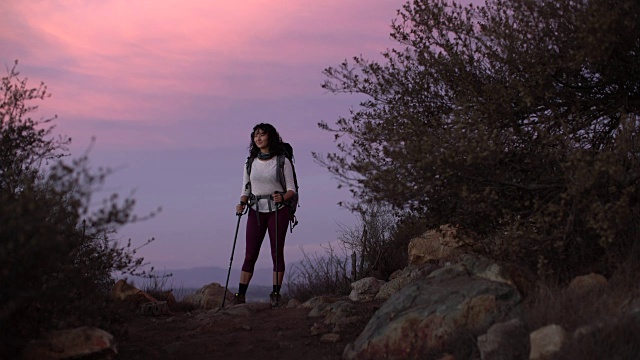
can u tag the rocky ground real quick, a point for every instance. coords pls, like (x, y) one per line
(249, 331)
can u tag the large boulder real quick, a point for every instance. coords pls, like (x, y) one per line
(424, 315)
(434, 245)
(71, 344)
(209, 297)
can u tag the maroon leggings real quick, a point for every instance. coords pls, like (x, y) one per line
(255, 234)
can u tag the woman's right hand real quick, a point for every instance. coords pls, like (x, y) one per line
(240, 208)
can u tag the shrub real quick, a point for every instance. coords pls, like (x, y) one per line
(516, 121)
(57, 252)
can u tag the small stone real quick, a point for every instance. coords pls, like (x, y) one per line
(318, 329)
(546, 341)
(330, 338)
(293, 303)
(172, 348)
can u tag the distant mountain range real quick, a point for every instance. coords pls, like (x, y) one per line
(187, 281)
(200, 276)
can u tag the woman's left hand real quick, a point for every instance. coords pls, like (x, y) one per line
(278, 197)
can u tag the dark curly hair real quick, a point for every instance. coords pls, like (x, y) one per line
(275, 142)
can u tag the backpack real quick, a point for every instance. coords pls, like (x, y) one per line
(293, 202)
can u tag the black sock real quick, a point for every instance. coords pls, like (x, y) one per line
(242, 288)
(276, 289)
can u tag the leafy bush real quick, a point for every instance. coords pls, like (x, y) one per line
(516, 121)
(57, 253)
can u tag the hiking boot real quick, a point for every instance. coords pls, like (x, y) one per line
(239, 299)
(275, 299)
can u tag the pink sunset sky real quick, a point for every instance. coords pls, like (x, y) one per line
(171, 90)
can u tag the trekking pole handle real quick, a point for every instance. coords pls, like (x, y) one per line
(244, 208)
(280, 203)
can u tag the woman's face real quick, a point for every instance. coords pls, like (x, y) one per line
(261, 139)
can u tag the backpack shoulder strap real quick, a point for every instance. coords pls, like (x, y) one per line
(248, 166)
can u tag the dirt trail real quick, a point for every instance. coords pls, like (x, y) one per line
(254, 332)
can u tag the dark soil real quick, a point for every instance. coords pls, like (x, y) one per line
(265, 333)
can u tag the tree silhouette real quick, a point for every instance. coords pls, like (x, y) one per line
(516, 121)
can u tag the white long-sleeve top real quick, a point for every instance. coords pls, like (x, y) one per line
(264, 180)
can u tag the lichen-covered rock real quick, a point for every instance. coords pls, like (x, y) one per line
(426, 313)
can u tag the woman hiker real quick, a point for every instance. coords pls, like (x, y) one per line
(265, 195)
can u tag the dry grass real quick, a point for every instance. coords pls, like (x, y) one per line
(600, 322)
(617, 338)
(320, 275)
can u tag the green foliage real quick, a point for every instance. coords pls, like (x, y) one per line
(57, 254)
(516, 121)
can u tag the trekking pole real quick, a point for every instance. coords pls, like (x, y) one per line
(226, 285)
(277, 292)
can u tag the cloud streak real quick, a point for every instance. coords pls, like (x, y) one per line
(171, 90)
